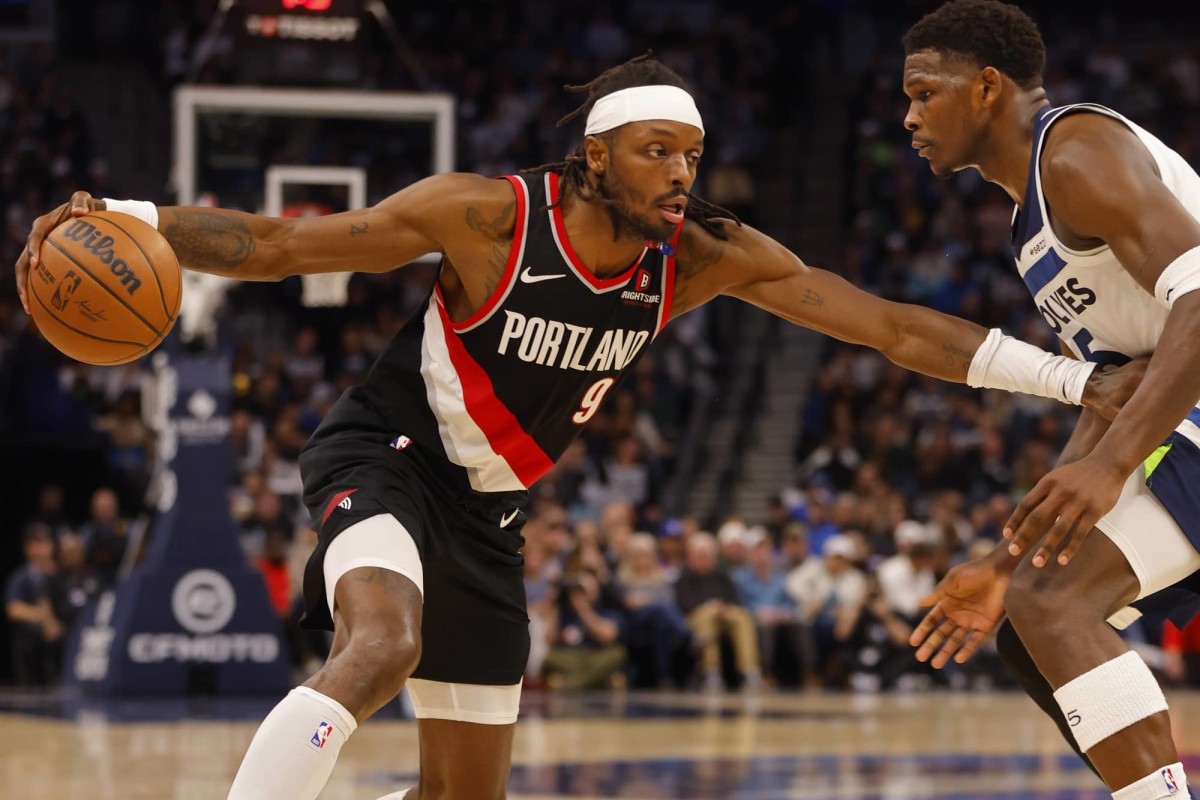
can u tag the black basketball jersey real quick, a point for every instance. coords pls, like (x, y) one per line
(503, 393)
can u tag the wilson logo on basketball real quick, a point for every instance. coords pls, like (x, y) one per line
(101, 245)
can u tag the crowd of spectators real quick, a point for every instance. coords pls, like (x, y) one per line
(897, 477)
(888, 445)
(290, 362)
(67, 563)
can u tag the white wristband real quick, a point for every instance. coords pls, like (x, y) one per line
(1178, 278)
(1003, 362)
(144, 210)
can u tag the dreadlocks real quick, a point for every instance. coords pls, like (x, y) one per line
(640, 71)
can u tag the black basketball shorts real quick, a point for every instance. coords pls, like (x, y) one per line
(474, 627)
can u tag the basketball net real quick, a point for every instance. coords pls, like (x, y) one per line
(325, 289)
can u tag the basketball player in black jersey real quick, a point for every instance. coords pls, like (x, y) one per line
(1106, 208)
(552, 285)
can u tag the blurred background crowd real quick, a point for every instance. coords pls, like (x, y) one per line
(895, 477)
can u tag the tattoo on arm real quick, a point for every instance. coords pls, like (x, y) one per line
(957, 355)
(812, 298)
(696, 254)
(355, 230)
(699, 256)
(210, 240)
(497, 261)
(500, 231)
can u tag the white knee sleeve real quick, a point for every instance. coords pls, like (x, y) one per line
(295, 748)
(1110, 698)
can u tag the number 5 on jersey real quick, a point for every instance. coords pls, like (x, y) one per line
(592, 399)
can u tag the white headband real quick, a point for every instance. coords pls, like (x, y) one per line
(642, 103)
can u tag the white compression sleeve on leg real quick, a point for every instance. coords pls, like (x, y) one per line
(1003, 362)
(1109, 698)
(294, 751)
(1166, 782)
(144, 210)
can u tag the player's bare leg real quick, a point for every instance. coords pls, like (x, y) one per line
(446, 746)
(376, 646)
(376, 640)
(1060, 613)
(1016, 658)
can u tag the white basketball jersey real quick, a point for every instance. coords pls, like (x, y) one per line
(1087, 297)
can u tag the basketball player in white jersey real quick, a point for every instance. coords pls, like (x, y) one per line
(552, 284)
(1106, 236)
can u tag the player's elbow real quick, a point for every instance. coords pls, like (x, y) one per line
(277, 253)
(893, 338)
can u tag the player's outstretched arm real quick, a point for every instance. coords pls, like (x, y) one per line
(915, 337)
(235, 244)
(403, 227)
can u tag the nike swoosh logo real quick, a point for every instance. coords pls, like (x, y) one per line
(507, 518)
(528, 277)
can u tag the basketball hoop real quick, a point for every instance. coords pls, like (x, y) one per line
(325, 289)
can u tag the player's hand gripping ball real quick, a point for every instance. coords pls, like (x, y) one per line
(106, 288)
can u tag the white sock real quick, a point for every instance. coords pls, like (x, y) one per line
(1168, 782)
(294, 751)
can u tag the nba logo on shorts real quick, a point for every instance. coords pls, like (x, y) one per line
(321, 735)
(642, 279)
(401, 442)
(1169, 780)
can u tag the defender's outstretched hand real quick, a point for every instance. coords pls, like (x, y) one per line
(79, 204)
(1063, 508)
(967, 604)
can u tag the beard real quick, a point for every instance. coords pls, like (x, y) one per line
(614, 193)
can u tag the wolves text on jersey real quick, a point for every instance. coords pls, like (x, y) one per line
(1065, 303)
(566, 346)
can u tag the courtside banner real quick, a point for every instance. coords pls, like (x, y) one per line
(193, 616)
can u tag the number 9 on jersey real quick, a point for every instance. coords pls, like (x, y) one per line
(592, 399)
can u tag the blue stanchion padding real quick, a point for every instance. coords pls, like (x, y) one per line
(193, 615)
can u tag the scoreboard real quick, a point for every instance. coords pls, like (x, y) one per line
(311, 20)
(301, 42)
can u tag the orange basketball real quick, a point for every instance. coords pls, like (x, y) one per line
(106, 288)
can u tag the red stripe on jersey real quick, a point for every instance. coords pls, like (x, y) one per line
(510, 267)
(333, 503)
(669, 282)
(599, 283)
(503, 431)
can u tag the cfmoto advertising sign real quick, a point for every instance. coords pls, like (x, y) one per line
(203, 603)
